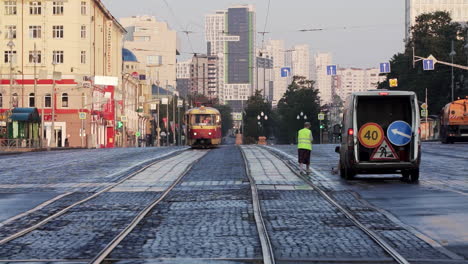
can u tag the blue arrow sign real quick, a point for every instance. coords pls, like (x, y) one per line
(331, 70)
(428, 65)
(399, 133)
(385, 67)
(285, 72)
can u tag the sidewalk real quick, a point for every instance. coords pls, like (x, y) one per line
(16, 151)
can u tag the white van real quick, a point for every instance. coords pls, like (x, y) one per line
(380, 134)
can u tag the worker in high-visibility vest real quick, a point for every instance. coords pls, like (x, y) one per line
(304, 146)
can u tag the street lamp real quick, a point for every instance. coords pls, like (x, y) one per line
(452, 54)
(11, 45)
(52, 99)
(261, 118)
(466, 46)
(301, 115)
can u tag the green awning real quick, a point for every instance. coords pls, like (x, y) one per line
(30, 115)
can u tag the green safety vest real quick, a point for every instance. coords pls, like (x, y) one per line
(304, 138)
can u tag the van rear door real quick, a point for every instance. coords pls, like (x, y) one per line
(381, 111)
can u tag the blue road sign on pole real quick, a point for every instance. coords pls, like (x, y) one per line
(385, 67)
(428, 65)
(285, 72)
(399, 133)
(331, 70)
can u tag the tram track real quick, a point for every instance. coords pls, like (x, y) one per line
(391, 251)
(109, 189)
(102, 255)
(267, 248)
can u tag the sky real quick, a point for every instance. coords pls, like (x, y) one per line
(359, 33)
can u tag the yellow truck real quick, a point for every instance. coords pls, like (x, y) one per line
(454, 122)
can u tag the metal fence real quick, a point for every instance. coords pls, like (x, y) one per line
(19, 143)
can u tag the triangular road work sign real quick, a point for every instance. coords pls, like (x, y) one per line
(384, 152)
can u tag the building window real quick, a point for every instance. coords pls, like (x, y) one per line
(15, 100)
(10, 32)
(35, 32)
(57, 8)
(47, 101)
(143, 38)
(64, 100)
(57, 32)
(83, 8)
(152, 59)
(83, 31)
(57, 56)
(1, 100)
(10, 8)
(10, 56)
(35, 57)
(83, 57)
(35, 8)
(31, 100)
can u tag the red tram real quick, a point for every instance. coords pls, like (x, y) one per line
(204, 127)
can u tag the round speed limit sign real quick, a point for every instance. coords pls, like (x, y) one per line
(371, 135)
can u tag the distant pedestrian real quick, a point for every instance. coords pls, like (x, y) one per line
(304, 146)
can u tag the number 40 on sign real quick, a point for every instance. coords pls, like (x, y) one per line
(371, 135)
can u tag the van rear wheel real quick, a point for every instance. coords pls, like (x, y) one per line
(411, 176)
(346, 173)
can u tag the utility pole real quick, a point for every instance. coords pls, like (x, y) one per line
(174, 102)
(124, 127)
(10, 45)
(452, 54)
(158, 129)
(35, 56)
(52, 99)
(168, 122)
(427, 124)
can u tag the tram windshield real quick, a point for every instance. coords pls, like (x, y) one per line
(203, 120)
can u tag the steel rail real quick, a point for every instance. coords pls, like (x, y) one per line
(130, 227)
(66, 209)
(374, 236)
(267, 248)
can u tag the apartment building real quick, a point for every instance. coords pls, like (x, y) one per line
(458, 10)
(76, 45)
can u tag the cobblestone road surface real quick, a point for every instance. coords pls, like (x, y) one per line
(208, 215)
(75, 170)
(85, 229)
(208, 218)
(435, 208)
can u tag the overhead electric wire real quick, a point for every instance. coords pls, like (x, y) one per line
(266, 23)
(186, 31)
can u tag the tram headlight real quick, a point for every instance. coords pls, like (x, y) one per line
(194, 133)
(209, 133)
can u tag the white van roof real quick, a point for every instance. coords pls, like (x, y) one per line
(383, 92)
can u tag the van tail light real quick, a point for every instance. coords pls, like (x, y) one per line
(419, 131)
(350, 138)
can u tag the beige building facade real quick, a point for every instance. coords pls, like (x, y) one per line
(155, 46)
(300, 62)
(79, 40)
(350, 80)
(324, 82)
(458, 10)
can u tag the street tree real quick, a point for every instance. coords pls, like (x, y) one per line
(253, 127)
(226, 117)
(432, 34)
(301, 96)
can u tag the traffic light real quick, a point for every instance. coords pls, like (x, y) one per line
(119, 124)
(321, 126)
